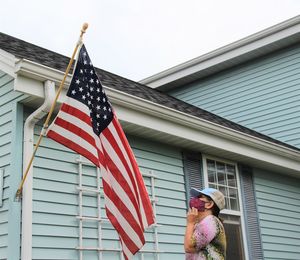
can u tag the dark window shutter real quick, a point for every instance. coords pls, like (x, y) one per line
(192, 165)
(250, 213)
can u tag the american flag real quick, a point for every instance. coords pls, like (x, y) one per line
(87, 124)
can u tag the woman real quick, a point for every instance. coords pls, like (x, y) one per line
(205, 234)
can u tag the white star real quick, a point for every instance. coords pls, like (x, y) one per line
(92, 72)
(73, 92)
(83, 97)
(81, 71)
(84, 54)
(92, 97)
(80, 89)
(109, 110)
(77, 81)
(89, 102)
(98, 107)
(97, 115)
(84, 62)
(91, 88)
(92, 80)
(98, 124)
(104, 108)
(88, 94)
(98, 90)
(97, 81)
(104, 99)
(87, 86)
(98, 98)
(105, 117)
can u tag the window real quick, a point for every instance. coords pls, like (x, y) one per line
(223, 175)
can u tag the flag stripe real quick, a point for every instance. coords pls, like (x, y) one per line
(122, 207)
(73, 146)
(122, 222)
(70, 109)
(112, 145)
(147, 210)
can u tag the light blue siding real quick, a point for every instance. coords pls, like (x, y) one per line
(263, 94)
(10, 161)
(55, 202)
(278, 199)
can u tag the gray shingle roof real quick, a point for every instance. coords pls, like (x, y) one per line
(22, 49)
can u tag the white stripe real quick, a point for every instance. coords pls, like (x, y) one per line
(114, 184)
(77, 122)
(126, 250)
(122, 148)
(77, 104)
(115, 158)
(124, 196)
(75, 138)
(120, 218)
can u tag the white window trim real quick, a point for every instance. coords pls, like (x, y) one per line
(226, 211)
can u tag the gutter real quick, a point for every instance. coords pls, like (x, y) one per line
(26, 242)
(142, 112)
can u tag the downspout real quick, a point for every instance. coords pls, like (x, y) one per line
(32, 119)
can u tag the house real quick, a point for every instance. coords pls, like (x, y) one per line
(177, 146)
(254, 82)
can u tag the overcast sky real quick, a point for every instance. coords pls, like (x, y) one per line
(139, 38)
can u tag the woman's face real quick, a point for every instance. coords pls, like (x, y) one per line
(208, 202)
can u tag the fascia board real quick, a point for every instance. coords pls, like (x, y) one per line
(200, 125)
(145, 113)
(7, 63)
(231, 51)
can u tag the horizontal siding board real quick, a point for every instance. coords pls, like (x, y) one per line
(7, 97)
(239, 75)
(262, 94)
(55, 200)
(278, 199)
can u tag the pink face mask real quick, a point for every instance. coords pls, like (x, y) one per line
(197, 203)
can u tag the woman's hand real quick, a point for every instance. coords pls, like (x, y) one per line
(191, 219)
(192, 216)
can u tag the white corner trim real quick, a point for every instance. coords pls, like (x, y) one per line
(7, 63)
(251, 43)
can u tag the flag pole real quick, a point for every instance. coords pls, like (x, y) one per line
(45, 126)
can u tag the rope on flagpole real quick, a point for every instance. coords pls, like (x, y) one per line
(45, 126)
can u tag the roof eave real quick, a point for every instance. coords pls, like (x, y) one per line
(162, 120)
(263, 42)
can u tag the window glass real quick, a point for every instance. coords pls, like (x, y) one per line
(222, 176)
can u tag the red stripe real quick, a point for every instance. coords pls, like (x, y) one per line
(118, 174)
(77, 113)
(122, 233)
(76, 130)
(126, 238)
(117, 200)
(141, 185)
(75, 147)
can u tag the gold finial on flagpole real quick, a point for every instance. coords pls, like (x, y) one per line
(45, 126)
(84, 28)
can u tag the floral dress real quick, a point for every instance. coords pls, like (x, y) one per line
(209, 240)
